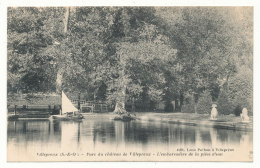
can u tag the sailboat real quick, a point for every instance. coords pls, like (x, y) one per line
(68, 111)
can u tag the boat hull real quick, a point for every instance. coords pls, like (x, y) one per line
(13, 117)
(66, 117)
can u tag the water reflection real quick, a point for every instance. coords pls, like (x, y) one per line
(91, 134)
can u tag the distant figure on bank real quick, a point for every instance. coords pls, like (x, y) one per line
(244, 115)
(214, 112)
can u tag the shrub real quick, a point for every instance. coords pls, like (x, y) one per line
(188, 108)
(168, 107)
(241, 90)
(238, 110)
(204, 103)
(224, 104)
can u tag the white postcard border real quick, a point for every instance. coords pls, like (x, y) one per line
(3, 91)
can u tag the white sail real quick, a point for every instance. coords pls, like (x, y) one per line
(67, 106)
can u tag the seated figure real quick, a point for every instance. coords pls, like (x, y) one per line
(244, 115)
(214, 112)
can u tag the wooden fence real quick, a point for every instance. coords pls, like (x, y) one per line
(85, 106)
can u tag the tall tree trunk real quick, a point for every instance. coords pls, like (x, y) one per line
(195, 108)
(60, 66)
(79, 101)
(226, 85)
(122, 83)
(120, 101)
(176, 104)
(121, 95)
(181, 100)
(195, 100)
(66, 19)
(133, 105)
(59, 80)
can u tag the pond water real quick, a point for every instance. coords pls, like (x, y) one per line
(28, 139)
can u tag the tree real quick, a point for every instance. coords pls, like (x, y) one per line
(129, 54)
(241, 89)
(107, 43)
(208, 45)
(145, 53)
(25, 42)
(205, 103)
(224, 104)
(138, 43)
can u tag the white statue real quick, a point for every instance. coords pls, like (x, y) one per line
(244, 115)
(214, 112)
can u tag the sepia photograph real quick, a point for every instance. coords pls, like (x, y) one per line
(130, 83)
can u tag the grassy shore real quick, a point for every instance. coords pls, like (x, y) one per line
(223, 121)
(201, 120)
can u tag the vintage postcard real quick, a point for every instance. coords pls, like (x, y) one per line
(130, 83)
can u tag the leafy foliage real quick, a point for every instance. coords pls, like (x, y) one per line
(224, 104)
(204, 103)
(188, 108)
(241, 90)
(238, 110)
(134, 54)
